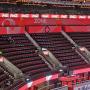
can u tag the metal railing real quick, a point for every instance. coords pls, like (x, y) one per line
(49, 58)
(81, 50)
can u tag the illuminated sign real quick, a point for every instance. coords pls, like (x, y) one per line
(10, 15)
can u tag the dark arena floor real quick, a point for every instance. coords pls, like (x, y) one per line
(44, 44)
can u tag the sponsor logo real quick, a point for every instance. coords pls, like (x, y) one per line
(10, 29)
(40, 21)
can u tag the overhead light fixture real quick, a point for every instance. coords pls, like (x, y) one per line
(48, 77)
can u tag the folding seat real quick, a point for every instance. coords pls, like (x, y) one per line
(22, 52)
(62, 48)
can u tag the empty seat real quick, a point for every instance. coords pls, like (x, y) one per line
(61, 48)
(20, 51)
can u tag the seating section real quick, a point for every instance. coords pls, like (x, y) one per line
(34, 9)
(82, 39)
(21, 52)
(61, 48)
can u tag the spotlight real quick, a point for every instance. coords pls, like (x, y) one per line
(27, 79)
(61, 70)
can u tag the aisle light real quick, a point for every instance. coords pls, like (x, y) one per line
(48, 77)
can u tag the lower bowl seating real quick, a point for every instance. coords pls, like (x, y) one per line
(22, 53)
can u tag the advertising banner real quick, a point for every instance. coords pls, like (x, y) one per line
(15, 23)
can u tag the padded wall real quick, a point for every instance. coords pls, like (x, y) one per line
(71, 25)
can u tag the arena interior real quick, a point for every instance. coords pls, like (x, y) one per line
(44, 44)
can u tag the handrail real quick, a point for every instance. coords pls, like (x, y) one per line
(32, 40)
(53, 2)
(10, 69)
(48, 58)
(82, 51)
(68, 38)
(46, 86)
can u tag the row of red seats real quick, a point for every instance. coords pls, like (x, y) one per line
(21, 52)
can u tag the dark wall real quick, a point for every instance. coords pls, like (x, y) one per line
(42, 9)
